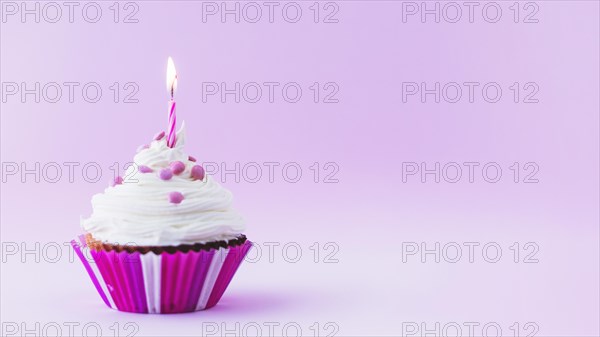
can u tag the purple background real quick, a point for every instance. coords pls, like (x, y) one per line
(369, 133)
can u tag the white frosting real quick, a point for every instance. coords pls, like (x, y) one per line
(138, 212)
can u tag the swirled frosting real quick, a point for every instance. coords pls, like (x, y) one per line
(138, 211)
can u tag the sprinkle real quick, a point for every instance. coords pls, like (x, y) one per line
(190, 158)
(117, 181)
(142, 147)
(144, 169)
(198, 172)
(159, 135)
(177, 167)
(166, 174)
(175, 197)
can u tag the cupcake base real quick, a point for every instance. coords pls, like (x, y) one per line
(161, 279)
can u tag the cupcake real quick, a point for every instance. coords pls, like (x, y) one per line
(163, 238)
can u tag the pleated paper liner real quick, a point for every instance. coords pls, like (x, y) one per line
(144, 281)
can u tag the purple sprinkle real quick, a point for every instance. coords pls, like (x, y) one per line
(166, 174)
(144, 169)
(175, 197)
(198, 172)
(142, 147)
(117, 181)
(159, 135)
(190, 158)
(177, 167)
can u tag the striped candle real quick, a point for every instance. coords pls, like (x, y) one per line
(172, 123)
(171, 87)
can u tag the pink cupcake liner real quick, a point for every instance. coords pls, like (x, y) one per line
(164, 283)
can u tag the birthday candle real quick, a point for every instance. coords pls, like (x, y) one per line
(171, 87)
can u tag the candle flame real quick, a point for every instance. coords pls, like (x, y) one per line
(171, 77)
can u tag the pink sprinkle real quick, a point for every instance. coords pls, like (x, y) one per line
(159, 135)
(177, 167)
(117, 181)
(166, 174)
(144, 169)
(175, 197)
(190, 158)
(142, 147)
(198, 172)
